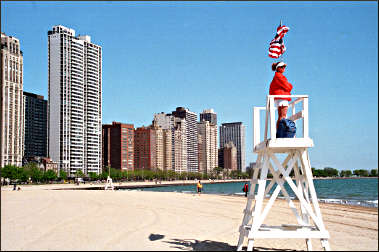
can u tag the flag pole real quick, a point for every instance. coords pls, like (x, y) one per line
(281, 56)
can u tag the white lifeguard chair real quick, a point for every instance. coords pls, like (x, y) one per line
(309, 220)
(109, 184)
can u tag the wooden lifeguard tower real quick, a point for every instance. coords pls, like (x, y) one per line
(109, 184)
(309, 220)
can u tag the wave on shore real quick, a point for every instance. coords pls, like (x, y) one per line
(364, 203)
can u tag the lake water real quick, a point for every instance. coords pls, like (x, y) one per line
(362, 191)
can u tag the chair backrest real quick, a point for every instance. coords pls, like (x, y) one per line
(270, 116)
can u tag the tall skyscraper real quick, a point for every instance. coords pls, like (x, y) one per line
(207, 139)
(11, 102)
(35, 123)
(74, 104)
(234, 132)
(191, 135)
(118, 146)
(208, 115)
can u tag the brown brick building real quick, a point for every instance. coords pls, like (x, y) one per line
(118, 146)
(230, 156)
(145, 148)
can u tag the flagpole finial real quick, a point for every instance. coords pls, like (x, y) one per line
(280, 22)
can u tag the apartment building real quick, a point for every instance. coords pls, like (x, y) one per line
(145, 148)
(234, 132)
(180, 145)
(11, 102)
(230, 157)
(209, 115)
(191, 136)
(35, 126)
(74, 103)
(207, 146)
(118, 146)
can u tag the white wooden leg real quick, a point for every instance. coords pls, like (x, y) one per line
(309, 244)
(240, 241)
(239, 247)
(325, 244)
(250, 245)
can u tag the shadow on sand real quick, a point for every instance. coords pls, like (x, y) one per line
(207, 245)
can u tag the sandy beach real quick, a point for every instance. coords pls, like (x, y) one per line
(39, 219)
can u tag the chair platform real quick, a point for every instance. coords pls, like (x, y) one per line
(285, 232)
(284, 144)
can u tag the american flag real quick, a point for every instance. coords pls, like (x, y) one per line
(277, 47)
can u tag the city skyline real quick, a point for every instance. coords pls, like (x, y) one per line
(190, 55)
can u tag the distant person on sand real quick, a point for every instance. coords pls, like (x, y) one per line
(280, 86)
(245, 189)
(199, 187)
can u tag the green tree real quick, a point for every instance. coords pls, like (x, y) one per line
(103, 175)
(149, 174)
(245, 175)
(50, 175)
(22, 174)
(361, 173)
(234, 174)
(36, 174)
(93, 176)
(374, 173)
(9, 171)
(130, 175)
(330, 172)
(62, 174)
(171, 175)
(115, 174)
(79, 174)
(31, 165)
(183, 175)
(345, 173)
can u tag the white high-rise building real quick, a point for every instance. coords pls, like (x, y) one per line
(11, 102)
(176, 150)
(180, 153)
(74, 104)
(208, 153)
(191, 137)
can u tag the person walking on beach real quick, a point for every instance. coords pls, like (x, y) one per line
(199, 187)
(245, 189)
(280, 86)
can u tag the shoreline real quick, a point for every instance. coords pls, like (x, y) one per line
(131, 185)
(344, 178)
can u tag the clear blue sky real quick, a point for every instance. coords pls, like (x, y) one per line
(161, 55)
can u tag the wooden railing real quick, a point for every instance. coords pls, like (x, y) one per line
(270, 116)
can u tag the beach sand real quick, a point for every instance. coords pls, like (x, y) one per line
(39, 219)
